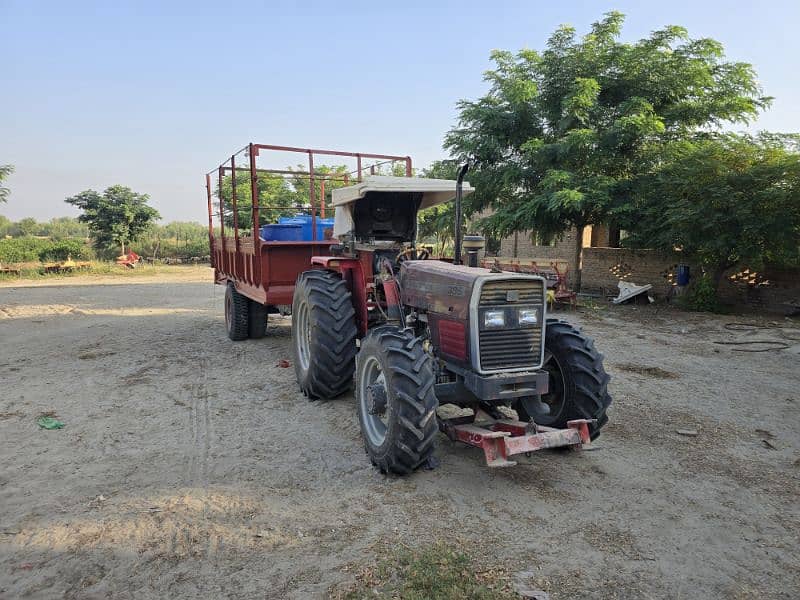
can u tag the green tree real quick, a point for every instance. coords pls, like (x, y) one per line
(28, 226)
(5, 226)
(722, 199)
(115, 217)
(561, 133)
(60, 228)
(5, 171)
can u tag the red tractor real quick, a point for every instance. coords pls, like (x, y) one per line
(414, 333)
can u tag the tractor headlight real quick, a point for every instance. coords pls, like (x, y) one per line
(494, 318)
(528, 316)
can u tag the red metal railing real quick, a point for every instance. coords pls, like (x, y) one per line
(242, 261)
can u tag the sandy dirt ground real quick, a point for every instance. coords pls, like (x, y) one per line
(191, 466)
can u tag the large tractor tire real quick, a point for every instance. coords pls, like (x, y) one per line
(256, 320)
(578, 386)
(323, 334)
(237, 311)
(396, 401)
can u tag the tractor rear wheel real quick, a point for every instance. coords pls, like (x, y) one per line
(257, 320)
(578, 383)
(237, 310)
(323, 334)
(396, 401)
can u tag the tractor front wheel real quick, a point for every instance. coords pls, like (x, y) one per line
(396, 401)
(323, 334)
(578, 383)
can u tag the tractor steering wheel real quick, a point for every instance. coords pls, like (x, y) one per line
(408, 254)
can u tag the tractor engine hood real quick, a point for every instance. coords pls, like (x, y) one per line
(439, 287)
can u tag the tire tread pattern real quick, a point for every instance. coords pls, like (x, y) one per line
(412, 428)
(587, 379)
(238, 329)
(333, 335)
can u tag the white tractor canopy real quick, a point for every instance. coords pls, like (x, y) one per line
(434, 191)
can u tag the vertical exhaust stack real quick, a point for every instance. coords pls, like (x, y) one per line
(459, 184)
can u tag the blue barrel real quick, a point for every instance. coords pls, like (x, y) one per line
(282, 232)
(304, 221)
(682, 276)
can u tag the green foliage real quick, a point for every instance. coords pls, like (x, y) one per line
(5, 171)
(64, 227)
(562, 132)
(116, 216)
(32, 249)
(57, 228)
(722, 199)
(436, 572)
(275, 198)
(278, 195)
(28, 226)
(701, 295)
(437, 223)
(61, 250)
(173, 240)
(23, 249)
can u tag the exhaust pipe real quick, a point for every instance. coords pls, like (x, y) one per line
(457, 238)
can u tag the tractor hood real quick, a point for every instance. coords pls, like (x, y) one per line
(439, 287)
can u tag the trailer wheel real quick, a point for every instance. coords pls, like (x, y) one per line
(396, 401)
(323, 334)
(578, 386)
(256, 320)
(237, 309)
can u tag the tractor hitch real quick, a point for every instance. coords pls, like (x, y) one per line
(501, 438)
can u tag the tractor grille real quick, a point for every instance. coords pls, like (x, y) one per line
(494, 293)
(513, 347)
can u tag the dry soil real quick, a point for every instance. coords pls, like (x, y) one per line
(191, 466)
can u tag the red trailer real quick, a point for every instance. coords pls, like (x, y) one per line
(260, 275)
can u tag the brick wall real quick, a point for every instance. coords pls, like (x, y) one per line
(604, 267)
(771, 290)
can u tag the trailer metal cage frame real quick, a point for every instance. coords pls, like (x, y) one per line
(266, 271)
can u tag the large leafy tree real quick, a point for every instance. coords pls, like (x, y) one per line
(5, 171)
(561, 133)
(115, 217)
(722, 199)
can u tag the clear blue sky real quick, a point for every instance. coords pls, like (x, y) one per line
(154, 94)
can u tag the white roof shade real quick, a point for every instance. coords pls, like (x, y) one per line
(434, 191)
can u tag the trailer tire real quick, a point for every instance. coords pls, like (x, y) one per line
(237, 309)
(323, 334)
(578, 386)
(256, 320)
(395, 378)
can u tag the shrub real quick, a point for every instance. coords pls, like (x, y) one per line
(22, 249)
(63, 249)
(32, 249)
(702, 295)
